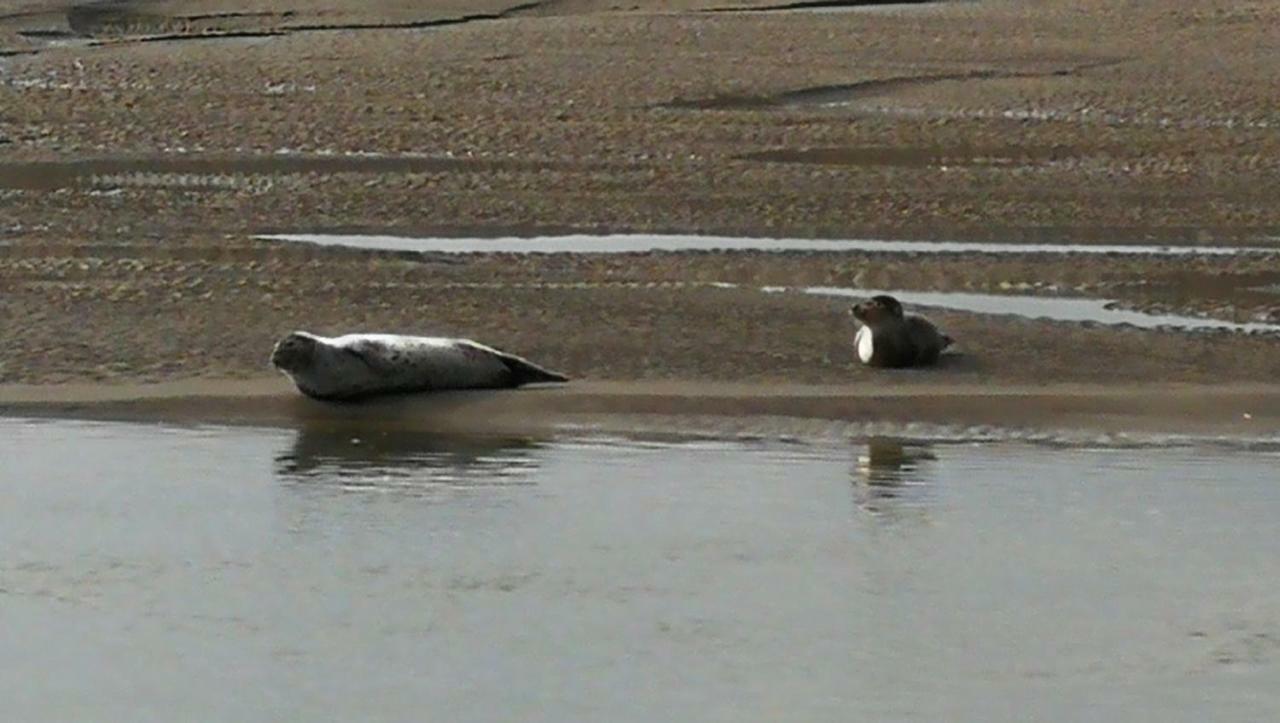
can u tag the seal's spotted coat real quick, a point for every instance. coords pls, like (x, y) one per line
(361, 365)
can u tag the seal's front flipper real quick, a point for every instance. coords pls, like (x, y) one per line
(373, 354)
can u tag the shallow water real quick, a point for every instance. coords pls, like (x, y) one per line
(344, 574)
(643, 243)
(1067, 309)
(1099, 311)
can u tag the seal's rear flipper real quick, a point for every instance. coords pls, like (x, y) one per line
(524, 371)
(949, 348)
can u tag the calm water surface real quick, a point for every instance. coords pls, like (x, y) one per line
(153, 573)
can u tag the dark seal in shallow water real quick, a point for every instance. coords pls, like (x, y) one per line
(887, 337)
(363, 365)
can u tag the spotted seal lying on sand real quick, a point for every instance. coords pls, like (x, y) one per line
(887, 337)
(362, 365)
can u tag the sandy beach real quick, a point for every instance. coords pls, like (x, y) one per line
(140, 159)
(723, 515)
(1057, 413)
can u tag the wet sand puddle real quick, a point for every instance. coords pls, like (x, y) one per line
(350, 572)
(645, 243)
(871, 97)
(875, 97)
(126, 18)
(1055, 308)
(231, 171)
(852, 95)
(93, 23)
(1066, 309)
(832, 96)
(919, 156)
(117, 21)
(1086, 116)
(874, 6)
(840, 6)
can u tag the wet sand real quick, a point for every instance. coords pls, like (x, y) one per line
(985, 119)
(719, 409)
(142, 153)
(164, 310)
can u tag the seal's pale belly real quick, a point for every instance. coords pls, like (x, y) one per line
(865, 344)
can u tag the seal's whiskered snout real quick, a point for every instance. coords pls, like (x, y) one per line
(292, 352)
(877, 308)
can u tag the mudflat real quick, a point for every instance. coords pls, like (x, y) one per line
(145, 146)
(1067, 413)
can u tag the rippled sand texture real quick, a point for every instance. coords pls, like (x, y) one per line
(972, 117)
(166, 309)
(143, 150)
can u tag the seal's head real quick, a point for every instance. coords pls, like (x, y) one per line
(877, 309)
(295, 352)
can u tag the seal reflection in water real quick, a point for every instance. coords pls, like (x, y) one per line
(888, 337)
(363, 365)
(407, 460)
(892, 476)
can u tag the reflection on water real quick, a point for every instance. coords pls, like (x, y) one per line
(404, 461)
(892, 475)
(890, 462)
(146, 571)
